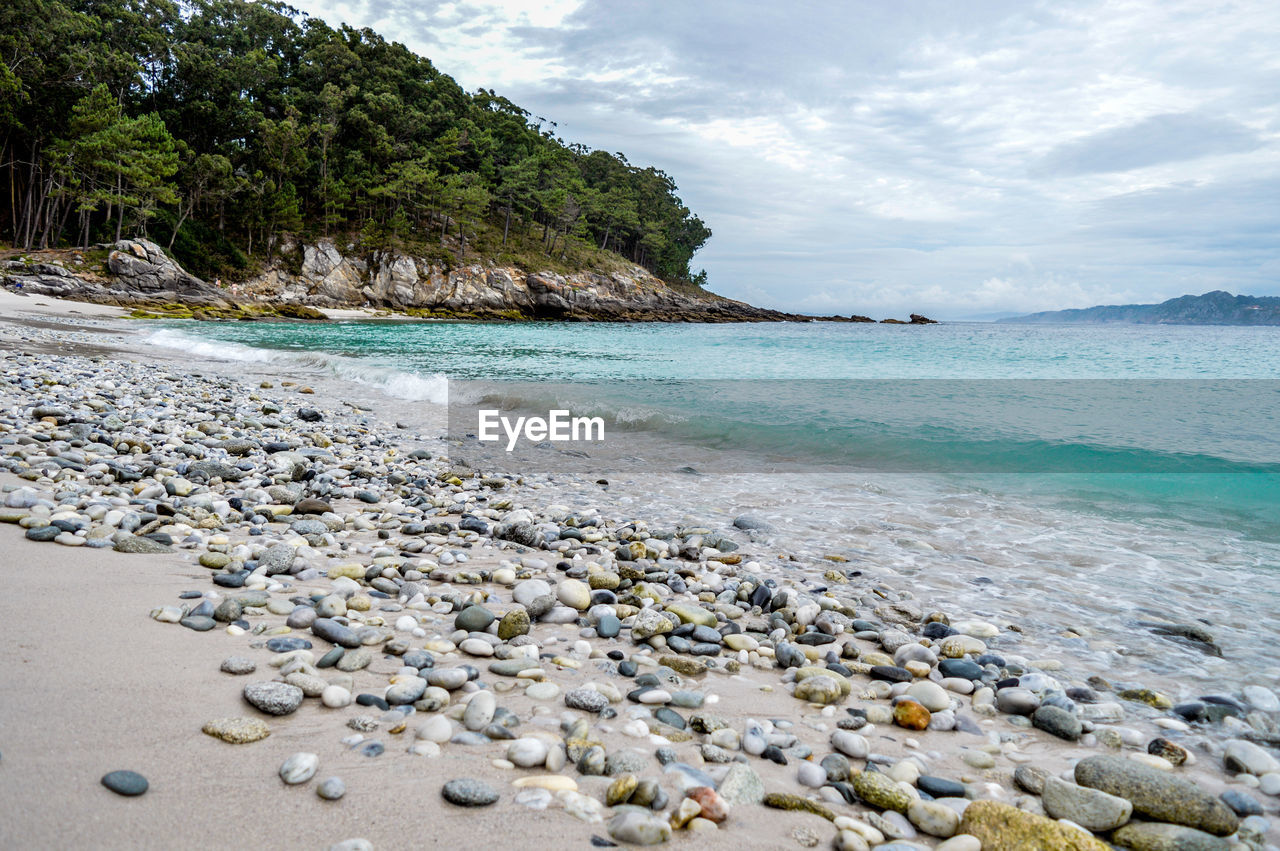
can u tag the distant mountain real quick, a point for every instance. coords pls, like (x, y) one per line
(1215, 308)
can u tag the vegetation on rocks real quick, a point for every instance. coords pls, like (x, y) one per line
(222, 128)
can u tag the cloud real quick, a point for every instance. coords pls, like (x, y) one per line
(926, 156)
(1154, 140)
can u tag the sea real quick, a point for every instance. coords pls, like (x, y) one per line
(1076, 485)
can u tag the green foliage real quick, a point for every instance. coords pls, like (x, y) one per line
(228, 124)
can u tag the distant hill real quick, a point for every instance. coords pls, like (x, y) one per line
(1214, 308)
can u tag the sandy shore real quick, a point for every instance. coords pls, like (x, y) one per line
(94, 684)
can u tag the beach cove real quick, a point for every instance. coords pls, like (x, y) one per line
(231, 540)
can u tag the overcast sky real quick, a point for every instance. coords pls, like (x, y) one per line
(884, 157)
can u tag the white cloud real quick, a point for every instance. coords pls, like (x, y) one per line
(869, 157)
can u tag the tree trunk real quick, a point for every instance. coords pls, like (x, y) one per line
(506, 227)
(57, 237)
(182, 217)
(120, 212)
(605, 242)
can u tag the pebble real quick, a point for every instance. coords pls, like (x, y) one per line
(331, 788)
(637, 828)
(123, 782)
(238, 665)
(1247, 758)
(1156, 794)
(237, 731)
(335, 697)
(479, 711)
(1089, 808)
(299, 768)
(273, 698)
(468, 792)
(588, 700)
(933, 818)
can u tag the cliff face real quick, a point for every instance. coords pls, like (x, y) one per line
(328, 278)
(138, 273)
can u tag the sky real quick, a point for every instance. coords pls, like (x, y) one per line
(952, 159)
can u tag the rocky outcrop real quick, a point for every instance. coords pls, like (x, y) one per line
(326, 277)
(139, 273)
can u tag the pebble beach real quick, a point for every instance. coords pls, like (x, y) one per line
(247, 611)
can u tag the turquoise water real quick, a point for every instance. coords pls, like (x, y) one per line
(573, 351)
(1168, 422)
(1048, 476)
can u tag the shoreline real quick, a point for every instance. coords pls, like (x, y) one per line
(164, 742)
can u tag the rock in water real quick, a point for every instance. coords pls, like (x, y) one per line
(299, 768)
(467, 792)
(273, 698)
(129, 783)
(1001, 827)
(1057, 721)
(1157, 794)
(237, 731)
(1247, 758)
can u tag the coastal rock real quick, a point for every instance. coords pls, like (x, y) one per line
(1090, 808)
(1152, 836)
(1001, 827)
(911, 715)
(588, 700)
(127, 783)
(468, 792)
(880, 791)
(273, 698)
(637, 828)
(474, 619)
(237, 731)
(513, 623)
(238, 665)
(277, 559)
(1244, 757)
(331, 788)
(819, 689)
(741, 785)
(795, 803)
(933, 818)
(649, 623)
(1058, 722)
(1157, 794)
(299, 768)
(335, 633)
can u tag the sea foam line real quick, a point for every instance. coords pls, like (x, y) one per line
(393, 382)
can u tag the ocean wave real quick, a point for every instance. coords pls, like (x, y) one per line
(409, 386)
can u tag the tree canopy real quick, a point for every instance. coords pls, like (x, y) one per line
(221, 126)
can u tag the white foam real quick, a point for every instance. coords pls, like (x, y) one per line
(409, 386)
